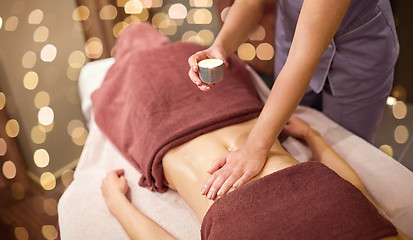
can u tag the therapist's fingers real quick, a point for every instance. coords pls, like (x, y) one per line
(227, 184)
(195, 79)
(218, 163)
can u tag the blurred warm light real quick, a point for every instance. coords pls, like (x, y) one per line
(258, 34)
(399, 110)
(73, 124)
(48, 181)
(12, 128)
(79, 136)
(30, 80)
(246, 51)
(21, 233)
(50, 207)
(42, 99)
(1, 22)
(11, 24)
(41, 158)
(188, 35)
(35, 17)
(401, 134)
(45, 116)
(387, 149)
(9, 170)
(391, 101)
(118, 28)
(147, 3)
(224, 13)
(265, 51)
(156, 3)
(38, 134)
(207, 36)
(49, 127)
(121, 3)
(200, 3)
(170, 30)
(81, 13)
(133, 18)
(93, 47)
(2, 100)
(133, 7)
(49, 232)
(77, 59)
(3, 147)
(73, 73)
(199, 16)
(72, 95)
(177, 11)
(18, 191)
(29, 59)
(108, 12)
(161, 20)
(399, 92)
(48, 53)
(41, 34)
(67, 177)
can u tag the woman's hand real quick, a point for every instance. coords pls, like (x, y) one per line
(297, 128)
(215, 51)
(114, 186)
(233, 170)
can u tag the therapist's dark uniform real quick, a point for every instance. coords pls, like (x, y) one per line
(355, 74)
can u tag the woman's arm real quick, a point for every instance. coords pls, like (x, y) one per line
(137, 225)
(241, 19)
(316, 26)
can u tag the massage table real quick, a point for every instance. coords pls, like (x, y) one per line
(83, 213)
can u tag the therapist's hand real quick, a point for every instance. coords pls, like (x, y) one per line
(215, 51)
(233, 170)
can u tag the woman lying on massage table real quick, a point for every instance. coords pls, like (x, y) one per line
(287, 199)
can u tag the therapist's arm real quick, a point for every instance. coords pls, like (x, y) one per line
(317, 24)
(241, 19)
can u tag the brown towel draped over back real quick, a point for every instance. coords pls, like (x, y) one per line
(147, 104)
(305, 201)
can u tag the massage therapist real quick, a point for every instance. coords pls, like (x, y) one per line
(337, 55)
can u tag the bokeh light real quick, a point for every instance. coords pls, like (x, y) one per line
(48, 181)
(73, 73)
(108, 12)
(387, 149)
(1, 22)
(42, 99)
(161, 20)
(30, 80)
(246, 51)
(18, 191)
(49, 232)
(258, 34)
(12, 128)
(399, 110)
(265, 51)
(207, 37)
(133, 7)
(29, 59)
(199, 16)
(79, 136)
(177, 11)
(67, 177)
(391, 101)
(155, 3)
(21, 233)
(81, 13)
(49, 127)
(399, 92)
(35, 17)
(9, 170)
(118, 28)
(41, 158)
(73, 124)
(2, 100)
(188, 35)
(93, 47)
(45, 116)
(77, 59)
(3, 147)
(48, 53)
(50, 207)
(38, 134)
(200, 3)
(401, 134)
(41, 34)
(11, 24)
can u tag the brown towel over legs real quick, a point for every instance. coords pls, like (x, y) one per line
(305, 201)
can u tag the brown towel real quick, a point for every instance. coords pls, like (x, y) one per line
(305, 201)
(147, 104)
